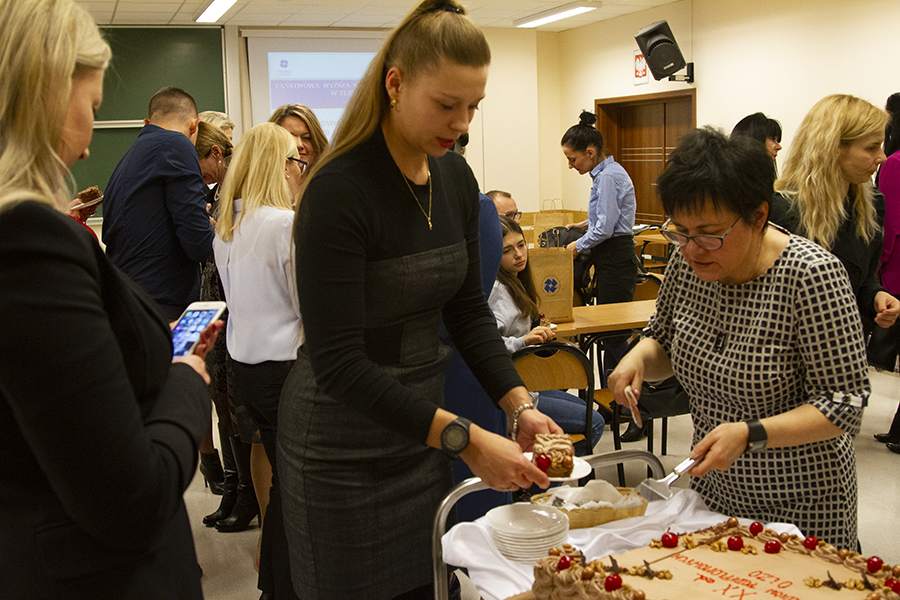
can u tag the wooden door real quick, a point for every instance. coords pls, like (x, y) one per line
(642, 151)
(641, 131)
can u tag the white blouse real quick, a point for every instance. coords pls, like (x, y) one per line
(257, 272)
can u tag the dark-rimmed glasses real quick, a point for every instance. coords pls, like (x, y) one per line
(513, 214)
(300, 163)
(707, 242)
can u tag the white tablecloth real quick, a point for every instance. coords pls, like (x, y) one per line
(470, 545)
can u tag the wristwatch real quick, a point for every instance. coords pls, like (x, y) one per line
(455, 437)
(757, 438)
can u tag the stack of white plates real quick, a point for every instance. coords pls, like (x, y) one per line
(524, 532)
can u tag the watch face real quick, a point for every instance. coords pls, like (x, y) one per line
(456, 437)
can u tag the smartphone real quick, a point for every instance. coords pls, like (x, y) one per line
(191, 324)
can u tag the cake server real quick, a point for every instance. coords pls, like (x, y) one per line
(659, 489)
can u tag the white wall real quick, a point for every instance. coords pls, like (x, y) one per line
(774, 56)
(503, 145)
(550, 125)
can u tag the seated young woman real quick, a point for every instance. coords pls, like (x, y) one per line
(515, 304)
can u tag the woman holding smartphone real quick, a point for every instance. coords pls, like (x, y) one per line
(100, 429)
(386, 243)
(253, 255)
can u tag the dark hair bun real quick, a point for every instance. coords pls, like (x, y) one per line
(587, 118)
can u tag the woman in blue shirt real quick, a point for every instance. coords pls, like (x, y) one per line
(610, 221)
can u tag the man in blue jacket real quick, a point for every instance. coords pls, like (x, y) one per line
(155, 224)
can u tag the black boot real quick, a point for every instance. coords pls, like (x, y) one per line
(246, 508)
(635, 433)
(892, 436)
(211, 469)
(231, 483)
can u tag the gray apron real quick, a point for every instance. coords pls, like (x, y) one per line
(359, 499)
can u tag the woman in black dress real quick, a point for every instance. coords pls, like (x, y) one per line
(386, 242)
(826, 195)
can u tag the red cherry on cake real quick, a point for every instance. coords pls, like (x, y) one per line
(895, 587)
(756, 527)
(772, 547)
(564, 562)
(890, 582)
(612, 583)
(874, 564)
(811, 542)
(669, 540)
(735, 542)
(542, 462)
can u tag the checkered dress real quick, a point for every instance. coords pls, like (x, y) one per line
(790, 337)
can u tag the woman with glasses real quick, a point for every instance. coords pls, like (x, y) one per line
(761, 329)
(253, 252)
(303, 124)
(214, 151)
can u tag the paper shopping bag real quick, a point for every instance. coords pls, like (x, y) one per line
(551, 270)
(545, 220)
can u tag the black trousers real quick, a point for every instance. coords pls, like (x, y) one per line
(615, 270)
(259, 389)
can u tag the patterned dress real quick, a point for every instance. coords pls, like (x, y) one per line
(790, 337)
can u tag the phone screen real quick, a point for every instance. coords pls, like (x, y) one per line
(187, 330)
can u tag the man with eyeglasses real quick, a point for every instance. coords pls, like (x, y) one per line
(506, 204)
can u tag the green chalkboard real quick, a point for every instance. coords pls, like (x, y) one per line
(145, 60)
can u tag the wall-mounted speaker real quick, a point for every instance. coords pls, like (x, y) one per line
(660, 49)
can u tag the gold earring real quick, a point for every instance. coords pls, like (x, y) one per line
(393, 102)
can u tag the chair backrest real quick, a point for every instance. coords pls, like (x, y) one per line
(554, 366)
(647, 287)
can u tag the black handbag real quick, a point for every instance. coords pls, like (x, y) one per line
(882, 347)
(663, 399)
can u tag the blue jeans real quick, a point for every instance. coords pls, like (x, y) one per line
(568, 412)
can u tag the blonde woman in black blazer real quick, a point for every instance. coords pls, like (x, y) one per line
(99, 430)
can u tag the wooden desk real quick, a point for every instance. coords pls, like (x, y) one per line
(651, 236)
(602, 318)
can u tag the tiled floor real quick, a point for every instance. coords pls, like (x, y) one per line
(228, 558)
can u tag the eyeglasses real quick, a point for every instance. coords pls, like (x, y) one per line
(513, 214)
(300, 163)
(707, 242)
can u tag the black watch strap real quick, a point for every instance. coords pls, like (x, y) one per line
(757, 438)
(455, 437)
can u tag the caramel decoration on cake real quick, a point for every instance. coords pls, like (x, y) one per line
(728, 560)
(553, 453)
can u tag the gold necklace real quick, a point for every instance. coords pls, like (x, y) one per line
(416, 198)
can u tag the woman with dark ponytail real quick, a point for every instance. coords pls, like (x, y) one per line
(610, 221)
(386, 241)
